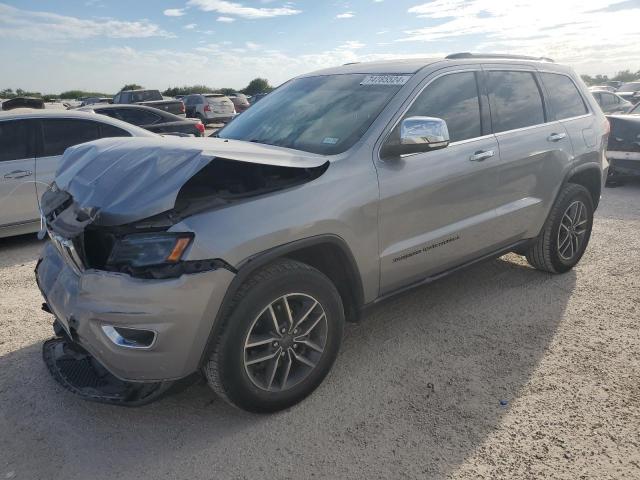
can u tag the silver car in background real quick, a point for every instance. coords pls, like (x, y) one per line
(209, 107)
(242, 256)
(31, 145)
(610, 102)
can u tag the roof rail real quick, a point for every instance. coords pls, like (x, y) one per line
(456, 56)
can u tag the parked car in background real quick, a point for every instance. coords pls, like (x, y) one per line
(150, 118)
(240, 102)
(150, 98)
(243, 256)
(209, 107)
(23, 102)
(31, 145)
(623, 149)
(93, 100)
(614, 84)
(611, 102)
(257, 97)
(605, 88)
(630, 91)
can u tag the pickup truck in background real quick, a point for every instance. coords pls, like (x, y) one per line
(150, 98)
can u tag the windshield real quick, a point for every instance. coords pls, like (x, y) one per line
(324, 114)
(630, 87)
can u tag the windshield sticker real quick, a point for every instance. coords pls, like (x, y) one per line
(330, 140)
(391, 80)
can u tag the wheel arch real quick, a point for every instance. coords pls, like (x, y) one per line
(329, 254)
(589, 176)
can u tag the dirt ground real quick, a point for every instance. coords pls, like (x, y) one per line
(499, 371)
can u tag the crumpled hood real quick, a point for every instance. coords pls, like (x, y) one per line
(128, 179)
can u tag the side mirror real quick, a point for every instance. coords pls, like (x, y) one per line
(419, 134)
(428, 131)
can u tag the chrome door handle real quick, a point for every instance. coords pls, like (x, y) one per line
(481, 155)
(18, 174)
(556, 137)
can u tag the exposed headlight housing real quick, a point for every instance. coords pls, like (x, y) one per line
(149, 249)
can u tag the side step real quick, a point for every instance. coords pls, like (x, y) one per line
(77, 371)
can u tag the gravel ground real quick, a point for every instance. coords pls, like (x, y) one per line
(416, 393)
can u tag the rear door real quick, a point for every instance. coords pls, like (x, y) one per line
(535, 150)
(437, 208)
(18, 203)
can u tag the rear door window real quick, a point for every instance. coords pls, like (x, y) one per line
(60, 134)
(515, 100)
(453, 98)
(564, 99)
(137, 116)
(14, 140)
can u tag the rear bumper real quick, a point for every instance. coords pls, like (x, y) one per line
(181, 311)
(218, 118)
(624, 163)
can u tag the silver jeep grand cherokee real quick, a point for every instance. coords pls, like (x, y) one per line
(242, 256)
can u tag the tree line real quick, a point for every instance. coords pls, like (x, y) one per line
(257, 85)
(623, 76)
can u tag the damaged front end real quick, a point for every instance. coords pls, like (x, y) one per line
(133, 309)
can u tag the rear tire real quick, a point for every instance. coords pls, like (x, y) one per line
(566, 233)
(295, 361)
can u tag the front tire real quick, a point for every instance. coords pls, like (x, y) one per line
(279, 338)
(566, 233)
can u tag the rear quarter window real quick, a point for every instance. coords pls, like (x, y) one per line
(108, 131)
(565, 100)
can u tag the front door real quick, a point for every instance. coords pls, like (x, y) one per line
(437, 208)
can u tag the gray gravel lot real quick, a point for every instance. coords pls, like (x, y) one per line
(415, 393)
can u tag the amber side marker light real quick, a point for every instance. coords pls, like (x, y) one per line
(179, 248)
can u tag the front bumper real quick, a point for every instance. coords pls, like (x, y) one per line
(180, 310)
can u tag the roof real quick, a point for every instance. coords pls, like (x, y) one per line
(409, 66)
(22, 113)
(403, 66)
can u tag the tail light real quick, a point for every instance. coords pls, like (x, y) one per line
(207, 108)
(200, 127)
(182, 107)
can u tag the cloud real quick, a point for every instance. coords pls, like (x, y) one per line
(225, 19)
(571, 31)
(45, 26)
(109, 68)
(253, 46)
(174, 12)
(190, 26)
(237, 9)
(345, 15)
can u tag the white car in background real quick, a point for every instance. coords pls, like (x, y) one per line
(31, 145)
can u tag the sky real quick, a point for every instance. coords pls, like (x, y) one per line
(100, 45)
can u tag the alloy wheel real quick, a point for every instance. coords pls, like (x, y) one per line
(285, 342)
(573, 228)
